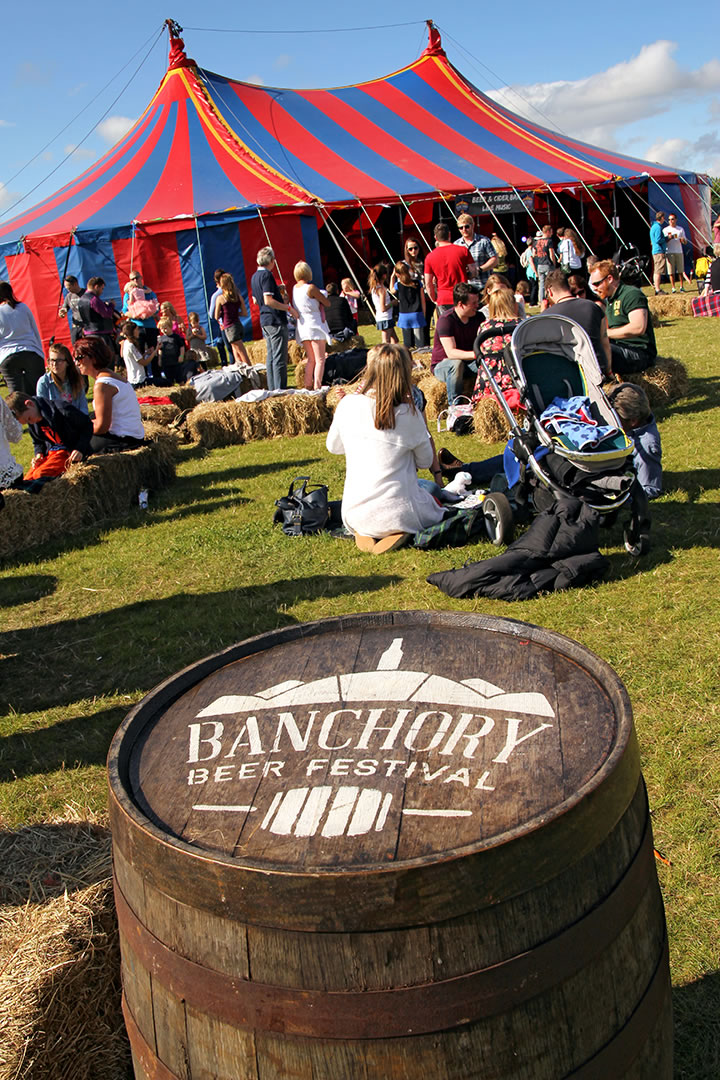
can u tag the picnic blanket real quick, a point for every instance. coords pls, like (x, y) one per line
(706, 305)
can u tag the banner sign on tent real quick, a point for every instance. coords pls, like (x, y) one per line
(500, 202)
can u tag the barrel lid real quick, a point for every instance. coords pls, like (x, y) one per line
(372, 741)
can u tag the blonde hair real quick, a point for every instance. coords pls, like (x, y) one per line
(466, 219)
(499, 245)
(503, 305)
(167, 309)
(165, 325)
(493, 283)
(389, 379)
(229, 289)
(302, 272)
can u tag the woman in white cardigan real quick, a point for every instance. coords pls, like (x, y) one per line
(385, 441)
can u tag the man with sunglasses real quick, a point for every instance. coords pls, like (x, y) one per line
(630, 329)
(481, 251)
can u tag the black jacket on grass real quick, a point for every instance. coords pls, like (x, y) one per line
(559, 551)
(73, 429)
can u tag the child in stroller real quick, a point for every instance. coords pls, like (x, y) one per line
(570, 440)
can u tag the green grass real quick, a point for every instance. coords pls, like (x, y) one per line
(90, 624)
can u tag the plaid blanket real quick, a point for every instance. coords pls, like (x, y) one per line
(706, 305)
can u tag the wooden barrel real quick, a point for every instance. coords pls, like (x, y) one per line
(402, 845)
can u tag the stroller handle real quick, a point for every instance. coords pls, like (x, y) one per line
(495, 331)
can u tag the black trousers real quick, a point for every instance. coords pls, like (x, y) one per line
(629, 358)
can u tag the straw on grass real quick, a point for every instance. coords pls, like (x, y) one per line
(160, 414)
(91, 493)
(59, 955)
(184, 397)
(490, 424)
(231, 423)
(665, 381)
(669, 305)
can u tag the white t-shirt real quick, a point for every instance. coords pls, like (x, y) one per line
(675, 234)
(132, 356)
(382, 494)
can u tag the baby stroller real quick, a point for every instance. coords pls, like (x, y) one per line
(550, 357)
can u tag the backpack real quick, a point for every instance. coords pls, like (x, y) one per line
(301, 512)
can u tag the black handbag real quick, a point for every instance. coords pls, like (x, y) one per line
(303, 510)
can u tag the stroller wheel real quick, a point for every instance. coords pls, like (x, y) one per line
(636, 545)
(498, 518)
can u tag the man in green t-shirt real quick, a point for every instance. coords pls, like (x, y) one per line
(632, 338)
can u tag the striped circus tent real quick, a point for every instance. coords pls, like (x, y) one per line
(214, 169)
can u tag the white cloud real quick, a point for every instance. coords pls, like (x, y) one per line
(595, 108)
(47, 155)
(255, 78)
(113, 128)
(80, 152)
(702, 154)
(7, 123)
(7, 196)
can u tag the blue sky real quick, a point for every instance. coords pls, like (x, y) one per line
(645, 83)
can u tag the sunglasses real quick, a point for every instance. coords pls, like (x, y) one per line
(594, 284)
(467, 226)
(413, 249)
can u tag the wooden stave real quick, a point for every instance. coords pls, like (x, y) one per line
(447, 1052)
(394, 894)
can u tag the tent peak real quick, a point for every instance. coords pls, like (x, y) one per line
(434, 45)
(177, 57)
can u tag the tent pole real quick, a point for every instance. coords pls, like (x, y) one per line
(414, 222)
(697, 195)
(392, 261)
(611, 225)
(132, 247)
(670, 199)
(567, 215)
(343, 237)
(267, 237)
(497, 221)
(62, 279)
(342, 256)
(202, 271)
(530, 213)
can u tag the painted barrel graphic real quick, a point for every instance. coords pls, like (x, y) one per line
(389, 845)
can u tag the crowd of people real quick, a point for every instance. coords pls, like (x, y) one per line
(463, 287)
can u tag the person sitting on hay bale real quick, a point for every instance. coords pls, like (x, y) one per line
(385, 441)
(340, 321)
(632, 338)
(60, 434)
(117, 424)
(455, 332)
(503, 316)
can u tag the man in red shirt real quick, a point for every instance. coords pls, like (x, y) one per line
(445, 267)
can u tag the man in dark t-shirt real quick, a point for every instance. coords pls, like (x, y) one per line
(273, 318)
(455, 334)
(630, 329)
(585, 312)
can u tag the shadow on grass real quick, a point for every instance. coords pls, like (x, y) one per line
(26, 589)
(696, 1014)
(191, 494)
(129, 650)
(702, 395)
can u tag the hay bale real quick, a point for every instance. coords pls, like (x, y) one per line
(104, 487)
(296, 352)
(59, 954)
(422, 357)
(160, 414)
(257, 351)
(300, 373)
(669, 305)
(489, 421)
(182, 396)
(435, 393)
(665, 381)
(231, 423)
(357, 341)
